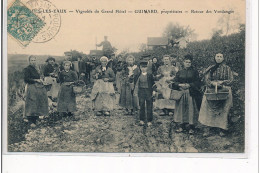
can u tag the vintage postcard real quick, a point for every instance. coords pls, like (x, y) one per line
(125, 77)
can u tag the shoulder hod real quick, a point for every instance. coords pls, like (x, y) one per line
(73, 72)
(109, 69)
(207, 69)
(25, 69)
(98, 67)
(28, 68)
(160, 67)
(226, 66)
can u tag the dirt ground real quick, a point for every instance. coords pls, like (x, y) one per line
(118, 133)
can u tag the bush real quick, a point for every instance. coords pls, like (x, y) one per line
(232, 46)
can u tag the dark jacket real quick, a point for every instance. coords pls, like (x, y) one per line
(62, 66)
(49, 69)
(88, 67)
(94, 63)
(82, 67)
(190, 76)
(108, 73)
(112, 64)
(70, 76)
(155, 67)
(30, 73)
(120, 65)
(133, 78)
(150, 81)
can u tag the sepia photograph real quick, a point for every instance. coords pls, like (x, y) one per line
(133, 77)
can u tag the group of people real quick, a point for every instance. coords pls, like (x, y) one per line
(143, 86)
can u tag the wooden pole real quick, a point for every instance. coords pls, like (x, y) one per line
(96, 43)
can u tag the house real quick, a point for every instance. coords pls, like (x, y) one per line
(68, 54)
(97, 53)
(157, 41)
(181, 42)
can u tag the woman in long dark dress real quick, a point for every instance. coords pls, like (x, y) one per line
(66, 97)
(50, 73)
(119, 67)
(186, 111)
(36, 100)
(215, 113)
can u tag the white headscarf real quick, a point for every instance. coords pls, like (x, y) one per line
(103, 58)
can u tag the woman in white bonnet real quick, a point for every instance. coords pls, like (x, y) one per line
(103, 93)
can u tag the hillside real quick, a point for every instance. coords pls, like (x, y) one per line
(16, 62)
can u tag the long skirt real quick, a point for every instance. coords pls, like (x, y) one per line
(163, 102)
(186, 109)
(101, 87)
(103, 96)
(36, 100)
(215, 113)
(118, 81)
(127, 99)
(66, 99)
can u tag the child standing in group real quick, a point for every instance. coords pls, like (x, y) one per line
(144, 91)
(66, 97)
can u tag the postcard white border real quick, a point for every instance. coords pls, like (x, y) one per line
(178, 160)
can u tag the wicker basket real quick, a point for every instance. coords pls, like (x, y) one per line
(212, 94)
(47, 86)
(79, 87)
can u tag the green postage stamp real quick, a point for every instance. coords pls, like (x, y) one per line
(22, 23)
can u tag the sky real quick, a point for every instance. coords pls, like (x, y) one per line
(125, 31)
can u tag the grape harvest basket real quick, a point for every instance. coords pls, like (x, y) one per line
(47, 86)
(48, 81)
(79, 87)
(216, 94)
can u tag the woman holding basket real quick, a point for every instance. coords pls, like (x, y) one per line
(50, 72)
(165, 74)
(66, 97)
(214, 112)
(36, 100)
(187, 83)
(129, 75)
(103, 93)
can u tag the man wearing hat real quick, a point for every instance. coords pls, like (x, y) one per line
(175, 62)
(147, 57)
(82, 65)
(107, 48)
(51, 67)
(112, 62)
(144, 91)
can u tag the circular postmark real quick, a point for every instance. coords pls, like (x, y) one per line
(46, 11)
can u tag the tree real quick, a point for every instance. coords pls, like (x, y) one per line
(114, 49)
(228, 24)
(174, 31)
(216, 33)
(74, 55)
(124, 52)
(142, 47)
